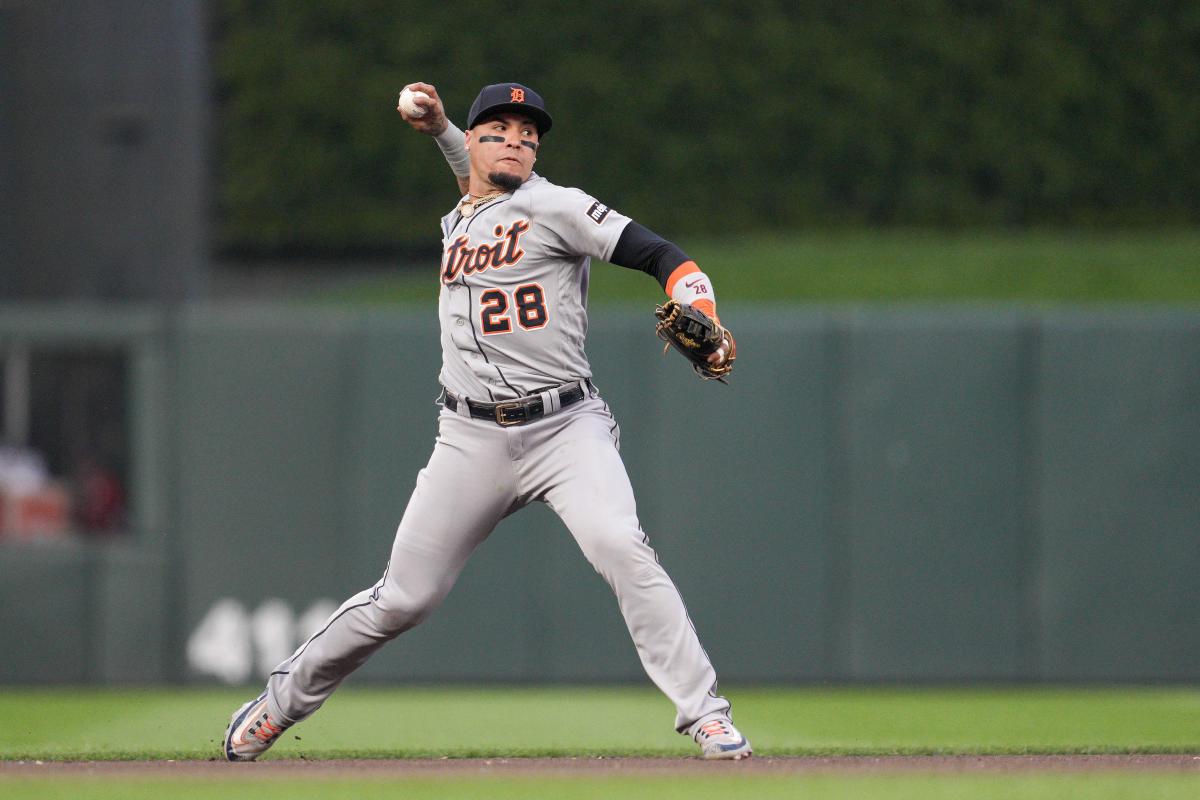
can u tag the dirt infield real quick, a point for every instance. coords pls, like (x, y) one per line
(525, 767)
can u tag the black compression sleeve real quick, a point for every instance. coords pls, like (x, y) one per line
(641, 248)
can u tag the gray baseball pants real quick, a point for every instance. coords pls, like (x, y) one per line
(569, 461)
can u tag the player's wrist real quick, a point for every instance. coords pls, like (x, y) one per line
(453, 144)
(690, 286)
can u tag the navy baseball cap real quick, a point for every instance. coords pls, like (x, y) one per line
(500, 98)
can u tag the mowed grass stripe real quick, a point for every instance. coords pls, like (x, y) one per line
(582, 721)
(1099, 786)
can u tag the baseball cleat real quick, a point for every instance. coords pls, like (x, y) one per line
(251, 731)
(719, 739)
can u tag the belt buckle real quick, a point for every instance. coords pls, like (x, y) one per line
(499, 411)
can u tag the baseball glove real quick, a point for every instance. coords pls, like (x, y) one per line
(697, 336)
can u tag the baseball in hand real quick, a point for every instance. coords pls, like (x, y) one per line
(407, 105)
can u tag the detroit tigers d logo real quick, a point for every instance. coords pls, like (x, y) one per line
(516, 95)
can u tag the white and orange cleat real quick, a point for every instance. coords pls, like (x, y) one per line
(251, 731)
(719, 739)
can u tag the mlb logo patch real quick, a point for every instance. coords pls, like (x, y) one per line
(598, 212)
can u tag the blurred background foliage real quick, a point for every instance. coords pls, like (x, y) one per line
(703, 120)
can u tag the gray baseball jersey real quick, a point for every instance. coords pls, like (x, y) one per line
(513, 303)
(514, 278)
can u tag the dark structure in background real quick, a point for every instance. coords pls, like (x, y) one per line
(994, 495)
(104, 128)
(7, 149)
(935, 114)
(104, 175)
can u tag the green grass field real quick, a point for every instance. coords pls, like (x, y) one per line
(161, 724)
(122, 724)
(819, 787)
(906, 266)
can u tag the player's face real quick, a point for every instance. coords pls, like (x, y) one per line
(505, 144)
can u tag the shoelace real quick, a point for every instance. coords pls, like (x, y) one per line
(715, 727)
(264, 730)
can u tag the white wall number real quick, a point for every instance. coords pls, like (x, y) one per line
(234, 645)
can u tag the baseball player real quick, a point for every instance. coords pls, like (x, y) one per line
(519, 407)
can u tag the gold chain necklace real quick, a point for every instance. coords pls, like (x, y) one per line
(467, 207)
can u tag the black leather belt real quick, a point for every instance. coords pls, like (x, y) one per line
(520, 411)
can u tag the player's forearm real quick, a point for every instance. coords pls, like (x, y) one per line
(642, 249)
(452, 143)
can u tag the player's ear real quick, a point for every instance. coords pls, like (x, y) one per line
(466, 140)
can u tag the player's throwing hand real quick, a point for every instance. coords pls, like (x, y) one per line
(433, 122)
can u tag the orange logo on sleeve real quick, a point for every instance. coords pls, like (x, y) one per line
(518, 95)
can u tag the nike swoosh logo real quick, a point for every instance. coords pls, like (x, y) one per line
(690, 284)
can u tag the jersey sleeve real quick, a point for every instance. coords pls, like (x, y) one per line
(641, 248)
(581, 224)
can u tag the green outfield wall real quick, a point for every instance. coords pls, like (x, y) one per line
(919, 494)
